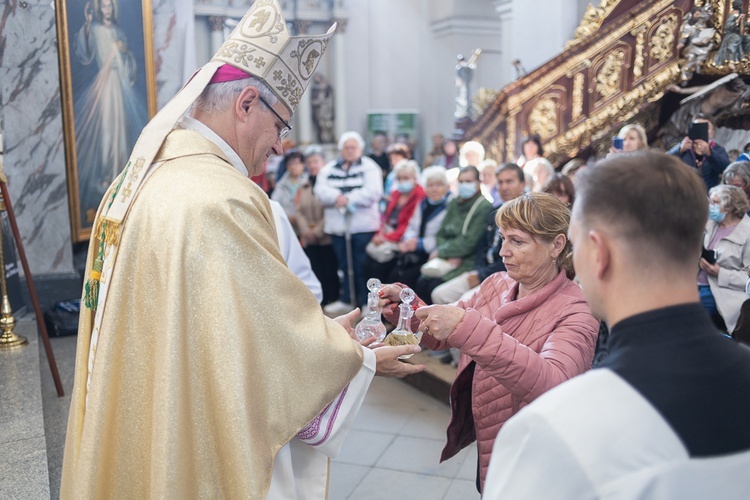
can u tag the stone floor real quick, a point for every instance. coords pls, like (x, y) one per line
(391, 453)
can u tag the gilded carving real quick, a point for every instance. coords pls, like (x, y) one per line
(543, 118)
(640, 42)
(497, 148)
(609, 77)
(483, 99)
(511, 140)
(592, 20)
(662, 40)
(537, 83)
(620, 110)
(577, 96)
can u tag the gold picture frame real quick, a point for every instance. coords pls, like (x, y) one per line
(108, 92)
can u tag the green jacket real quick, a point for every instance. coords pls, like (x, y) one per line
(452, 242)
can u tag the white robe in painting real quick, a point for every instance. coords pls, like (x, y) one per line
(108, 112)
(597, 437)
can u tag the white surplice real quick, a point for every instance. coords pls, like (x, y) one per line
(596, 437)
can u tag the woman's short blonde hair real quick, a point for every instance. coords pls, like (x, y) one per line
(731, 198)
(640, 132)
(543, 217)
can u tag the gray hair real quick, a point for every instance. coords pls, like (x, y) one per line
(731, 198)
(217, 97)
(739, 169)
(470, 146)
(434, 173)
(314, 150)
(408, 167)
(347, 136)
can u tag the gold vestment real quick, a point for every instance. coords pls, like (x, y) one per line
(211, 356)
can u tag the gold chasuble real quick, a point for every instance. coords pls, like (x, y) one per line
(211, 354)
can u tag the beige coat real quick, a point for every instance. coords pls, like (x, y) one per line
(733, 257)
(310, 216)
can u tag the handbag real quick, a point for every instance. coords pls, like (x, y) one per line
(438, 267)
(385, 252)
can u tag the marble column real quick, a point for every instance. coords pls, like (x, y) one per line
(339, 68)
(216, 24)
(34, 153)
(303, 117)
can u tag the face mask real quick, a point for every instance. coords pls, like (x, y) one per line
(466, 190)
(715, 213)
(405, 186)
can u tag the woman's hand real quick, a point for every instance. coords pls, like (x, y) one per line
(701, 147)
(456, 261)
(686, 144)
(389, 295)
(439, 321)
(711, 269)
(377, 239)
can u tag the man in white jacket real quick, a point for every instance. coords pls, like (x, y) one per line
(350, 188)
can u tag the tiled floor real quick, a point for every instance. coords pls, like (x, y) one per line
(394, 449)
(392, 452)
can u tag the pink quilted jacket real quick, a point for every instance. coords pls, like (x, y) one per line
(512, 351)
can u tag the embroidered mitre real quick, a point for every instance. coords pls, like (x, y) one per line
(262, 46)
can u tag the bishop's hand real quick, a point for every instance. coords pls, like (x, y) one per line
(388, 364)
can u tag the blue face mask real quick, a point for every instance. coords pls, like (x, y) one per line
(715, 213)
(405, 186)
(435, 202)
(467, 189)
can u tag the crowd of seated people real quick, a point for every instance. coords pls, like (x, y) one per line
(469, 234)
(431, 226)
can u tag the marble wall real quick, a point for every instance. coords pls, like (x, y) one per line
(34, 154)
(31, 117)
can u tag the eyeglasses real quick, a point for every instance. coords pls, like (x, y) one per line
(287, 128)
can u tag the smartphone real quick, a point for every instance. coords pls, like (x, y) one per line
(617, 143)
(698, 131)
(709, 255)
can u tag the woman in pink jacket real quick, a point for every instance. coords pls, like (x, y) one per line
(523, 332)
